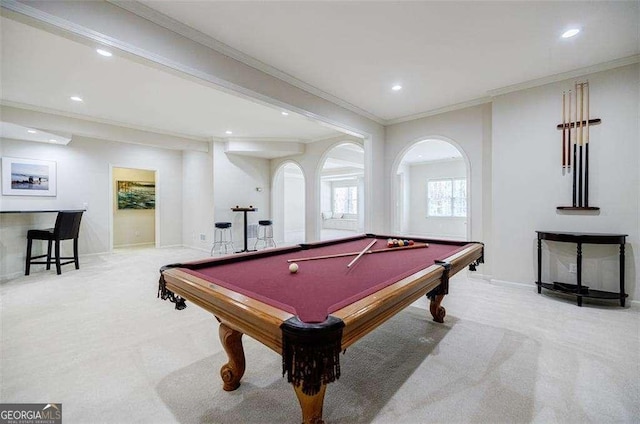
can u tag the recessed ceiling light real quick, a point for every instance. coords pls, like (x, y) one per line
(53, 140)
(570, 33)
(285, 113)
(228, 132)
(32, 131)
(396, 87)
(104, 52)
(76, 98)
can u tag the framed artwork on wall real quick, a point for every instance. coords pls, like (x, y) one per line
(28, 177)
(136, 194)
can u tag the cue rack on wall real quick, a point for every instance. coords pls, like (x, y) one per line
(575, 144)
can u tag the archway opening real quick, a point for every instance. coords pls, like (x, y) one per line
(431, 190)
(342, 192)
(289, 204)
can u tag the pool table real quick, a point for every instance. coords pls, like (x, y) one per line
(312, 315)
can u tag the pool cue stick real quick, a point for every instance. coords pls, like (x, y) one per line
(340, 255)
(564, 134)
(575, 139)
(586, 152)
(361, 253)
(580, 188)
(569, 135)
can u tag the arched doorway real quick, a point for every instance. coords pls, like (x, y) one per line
(431, 181)
(342, 191)
(289, 204)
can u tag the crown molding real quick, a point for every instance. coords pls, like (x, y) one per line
(266, 139)
(438, 111)
(605, 66)
(199, 37)
(263, 147)
(86, 118)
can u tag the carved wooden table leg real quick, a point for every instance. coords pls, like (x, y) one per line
(311, 405)
(232, 371)
(438, 312)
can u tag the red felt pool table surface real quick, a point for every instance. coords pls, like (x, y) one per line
(323, 286)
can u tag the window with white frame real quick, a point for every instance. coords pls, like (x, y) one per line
(345, 199)
(447, 197)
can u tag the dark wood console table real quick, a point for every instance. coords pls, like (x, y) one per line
(578, 290)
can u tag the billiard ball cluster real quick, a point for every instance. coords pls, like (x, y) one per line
(399, 242)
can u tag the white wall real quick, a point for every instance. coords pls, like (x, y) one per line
(235, 179)
(419, 223)
(528, 184)
(197, 200)
(325, 196)
(294, 200)
(132, 226)
(403, 192)
(467, 130)
(83, 169)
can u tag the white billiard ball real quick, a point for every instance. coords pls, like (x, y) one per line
(293, 268)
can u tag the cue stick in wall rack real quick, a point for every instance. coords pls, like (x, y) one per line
(586, 152)
(564, 134)
(576, 141)
(581, 139)
(340, 255)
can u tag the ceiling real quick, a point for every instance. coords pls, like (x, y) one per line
(444, 54)
(119, 90)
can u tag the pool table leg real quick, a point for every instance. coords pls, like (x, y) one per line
(232, 371)
(311, 405)
(438, 312)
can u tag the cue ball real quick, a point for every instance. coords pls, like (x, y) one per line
(293, 268)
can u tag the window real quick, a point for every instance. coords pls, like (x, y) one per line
(345, 199)
(447, 197)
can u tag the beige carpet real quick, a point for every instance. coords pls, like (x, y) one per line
(98, 341)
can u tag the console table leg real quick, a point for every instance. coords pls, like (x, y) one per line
(539, 265)
(622, 294)
(579, 275)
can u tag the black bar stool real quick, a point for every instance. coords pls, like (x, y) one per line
(267, 233)
(67, 228)
(220, 233)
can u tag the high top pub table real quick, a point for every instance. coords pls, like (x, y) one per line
(578, 290)
(244, 210)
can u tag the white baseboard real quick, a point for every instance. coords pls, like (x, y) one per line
(514, 284)
(186, 246)
(477, 276)
(11, 276)
(126, 246)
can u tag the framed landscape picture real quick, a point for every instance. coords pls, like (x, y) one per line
(136, 195)
(28, 177)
